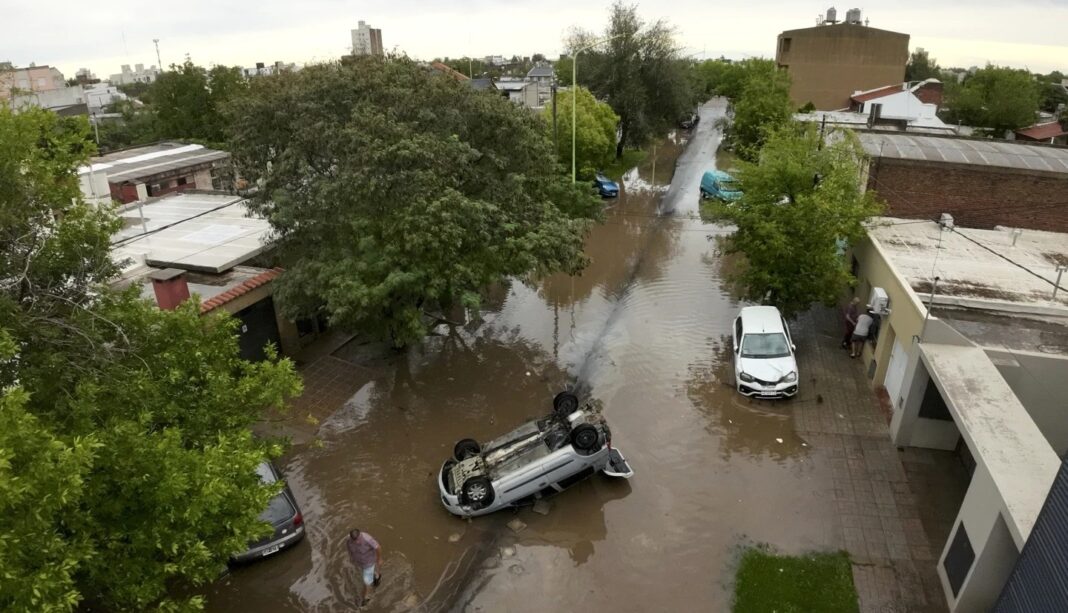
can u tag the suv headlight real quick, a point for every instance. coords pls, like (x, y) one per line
(790, 378)
(745, 377)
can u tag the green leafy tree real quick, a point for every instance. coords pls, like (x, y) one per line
(762, 108)
(798, 204)
(188, 101)
(136, 126)
(996, 98)
(921, 66)
(396, 191)
(595, 133)
(143, 414)
(638, 72)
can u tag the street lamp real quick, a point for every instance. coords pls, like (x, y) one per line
(574, 93)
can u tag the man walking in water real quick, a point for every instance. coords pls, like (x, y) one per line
(366, 555)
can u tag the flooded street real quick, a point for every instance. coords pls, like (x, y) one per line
(645, 331)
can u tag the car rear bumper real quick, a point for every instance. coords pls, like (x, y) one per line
(754, 390)
(271, 548)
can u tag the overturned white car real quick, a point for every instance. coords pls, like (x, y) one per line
(537, 459)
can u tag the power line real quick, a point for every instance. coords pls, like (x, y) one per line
(1004, 257)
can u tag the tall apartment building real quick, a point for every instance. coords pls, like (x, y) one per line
(139, 74)
(366, 40)
(831, 61)
(32, 79)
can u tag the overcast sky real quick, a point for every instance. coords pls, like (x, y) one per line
(104, 34)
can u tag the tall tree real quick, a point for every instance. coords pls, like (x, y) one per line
(996, 98)
(392, 192)
(145, 414)
(188, 100)
(922, 66)
(637, 70)
(798, 204)
(762, 108)
(595, 133)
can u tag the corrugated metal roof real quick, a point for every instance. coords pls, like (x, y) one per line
(540, 71)
(998, 153)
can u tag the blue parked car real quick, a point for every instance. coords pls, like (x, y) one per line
(606, 187)
(718, 184)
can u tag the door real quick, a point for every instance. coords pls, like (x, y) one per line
(895, 373)
(258, 327)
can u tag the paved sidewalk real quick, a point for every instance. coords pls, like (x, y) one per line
(878, 518)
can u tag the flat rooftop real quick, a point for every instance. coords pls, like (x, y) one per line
(859, 121)
(998, 429)
(974, 265)
(142, 162)
(978, 152)
(1036, 334)
(200, 232)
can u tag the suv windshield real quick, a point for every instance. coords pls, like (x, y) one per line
(771, 345)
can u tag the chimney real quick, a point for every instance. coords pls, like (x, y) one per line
(170, 287)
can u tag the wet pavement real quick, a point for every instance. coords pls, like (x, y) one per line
(644, 330)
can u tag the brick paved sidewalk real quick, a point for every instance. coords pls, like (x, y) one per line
(878, 519)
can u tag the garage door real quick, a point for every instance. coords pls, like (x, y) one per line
(895, 373)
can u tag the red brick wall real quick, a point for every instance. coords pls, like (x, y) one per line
(977, 197)
(123, 192)
(931, 93)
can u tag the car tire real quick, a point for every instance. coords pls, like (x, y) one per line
(477, 492)
(466, 448)
(585, 437)
(565, 404)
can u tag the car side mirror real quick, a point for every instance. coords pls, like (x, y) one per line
(793, 346)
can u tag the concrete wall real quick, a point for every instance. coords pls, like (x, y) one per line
(995, 550)
(976, 196)
(1041, 383)
(202, 179)
(902, 104)
(828, 63)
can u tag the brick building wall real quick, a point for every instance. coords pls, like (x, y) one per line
(976, 196)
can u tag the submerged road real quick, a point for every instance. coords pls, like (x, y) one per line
(644, 331)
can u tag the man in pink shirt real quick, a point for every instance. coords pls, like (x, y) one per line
(366, 555)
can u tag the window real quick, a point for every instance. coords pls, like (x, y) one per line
(959, 559)
(182, 180)
(785, 45)
(933, 405)
(771, 345)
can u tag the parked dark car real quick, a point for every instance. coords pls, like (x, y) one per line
(689, 122)
(606, 187)
(283, 513)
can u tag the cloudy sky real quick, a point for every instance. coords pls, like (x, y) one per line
(104, 34)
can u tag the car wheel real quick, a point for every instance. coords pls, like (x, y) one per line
(585, 437)
(466, 448)
(477, 492)
(565, 404)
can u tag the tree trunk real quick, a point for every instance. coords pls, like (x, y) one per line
(622, 138)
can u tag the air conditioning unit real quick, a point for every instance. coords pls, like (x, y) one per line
(878, 301)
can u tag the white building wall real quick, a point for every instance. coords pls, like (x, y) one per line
(202, 179)
(361, 39)
(902, 105)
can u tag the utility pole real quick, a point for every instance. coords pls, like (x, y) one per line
(555, 132)
(159, 62)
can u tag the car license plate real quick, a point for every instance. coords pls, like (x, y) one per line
(270, 550)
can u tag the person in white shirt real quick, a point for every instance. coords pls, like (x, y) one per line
(860, 333)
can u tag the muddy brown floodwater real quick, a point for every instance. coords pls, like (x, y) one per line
(643, 330)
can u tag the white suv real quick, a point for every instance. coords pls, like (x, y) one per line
(764, 363)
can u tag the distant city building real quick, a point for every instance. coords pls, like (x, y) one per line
(543, 77)
(830, 61)
(261, 69)
(30, 79)
(495, 60)
(139, 74)
(366, 40)
(100, 95)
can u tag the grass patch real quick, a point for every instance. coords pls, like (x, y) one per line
(768, 582)
(629, 159)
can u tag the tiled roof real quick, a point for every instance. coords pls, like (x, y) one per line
(1043, 131)
(263, 278)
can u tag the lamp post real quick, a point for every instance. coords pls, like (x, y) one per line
(574, 93)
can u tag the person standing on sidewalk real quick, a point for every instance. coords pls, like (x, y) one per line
(860, 333)
(366, 555)
(849, 313)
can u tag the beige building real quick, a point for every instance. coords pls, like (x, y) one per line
(972, 353)
(366, 40)
(828, 63)
(34, 79)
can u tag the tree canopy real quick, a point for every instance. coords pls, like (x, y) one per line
(188, 100)
(762, 107)
(799, 202)
(922, 66)
(995, 97)
(394, 191)
(637, 70)
(595, 133)
(126, 461)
